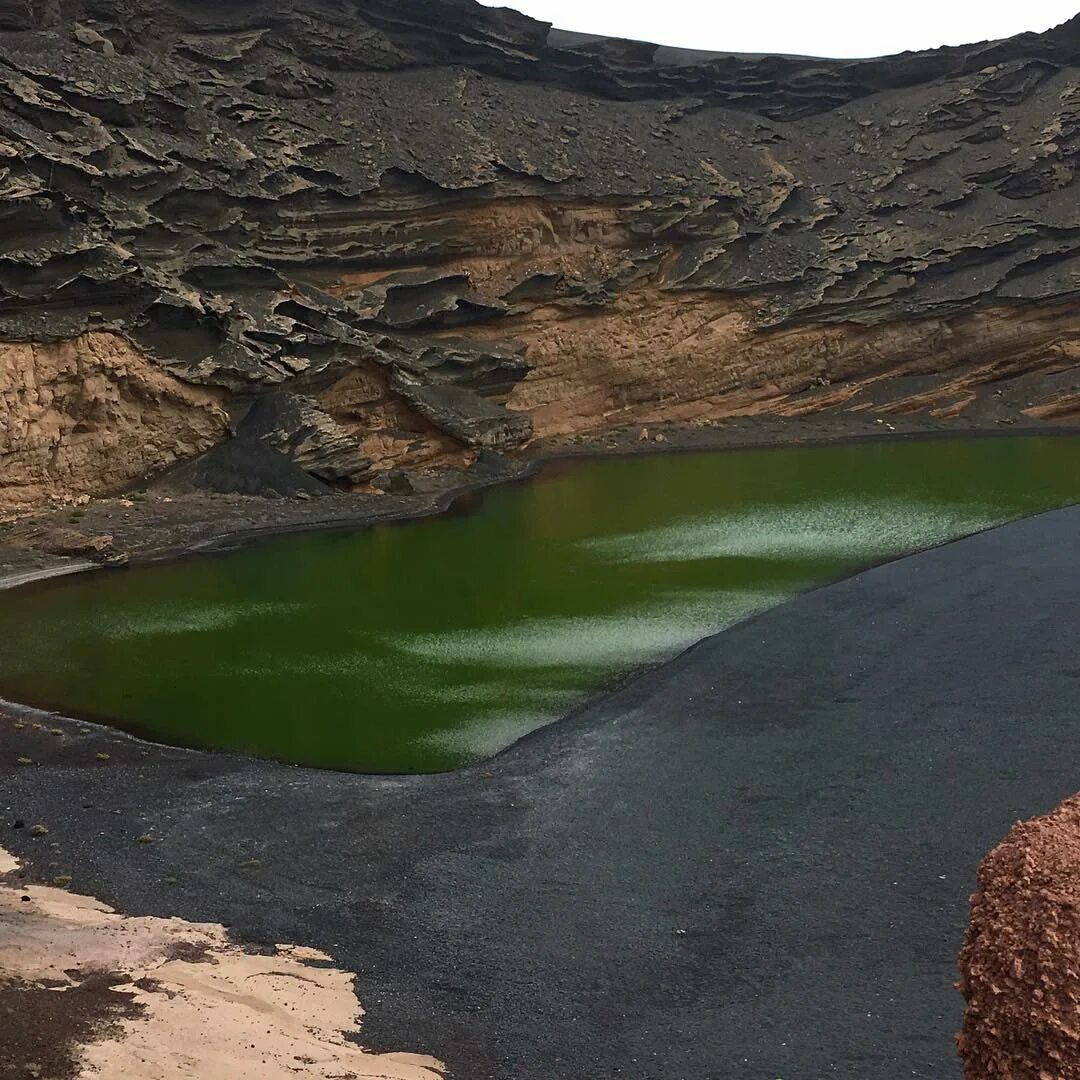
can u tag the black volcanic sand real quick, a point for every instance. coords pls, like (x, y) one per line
(41, 1030)
(753, 862)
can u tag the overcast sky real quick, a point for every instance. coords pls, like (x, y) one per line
(810, 27)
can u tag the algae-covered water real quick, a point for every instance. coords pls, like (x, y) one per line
(422, 647)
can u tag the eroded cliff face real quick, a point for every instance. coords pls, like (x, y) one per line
(437, 228)
(1020, 965)
(645, 359)
(90, 415)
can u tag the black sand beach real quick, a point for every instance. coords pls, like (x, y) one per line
(753, 861)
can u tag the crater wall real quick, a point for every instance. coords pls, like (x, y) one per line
(450, 228)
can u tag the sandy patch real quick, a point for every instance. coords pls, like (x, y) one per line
(196, 1005)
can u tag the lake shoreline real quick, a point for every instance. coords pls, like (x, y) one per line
(800, 819)
(605, 489)
(166, 525)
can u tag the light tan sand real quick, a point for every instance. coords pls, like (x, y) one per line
(210, 1010)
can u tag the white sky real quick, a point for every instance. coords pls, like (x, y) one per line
(809, 27)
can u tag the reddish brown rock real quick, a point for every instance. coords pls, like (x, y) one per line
(1020, 965)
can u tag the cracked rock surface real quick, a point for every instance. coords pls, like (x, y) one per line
(1018, 968)
(437, 228)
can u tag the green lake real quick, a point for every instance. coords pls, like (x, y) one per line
(426, 646)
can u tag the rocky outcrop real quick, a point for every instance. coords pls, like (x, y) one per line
(1020, 965)
(446, 227)
(90, 415)
(645, 359)
(301, 430)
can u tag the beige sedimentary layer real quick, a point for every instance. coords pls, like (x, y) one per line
(390, 433)
(205, 1007)
(89, 415)
(656, 355)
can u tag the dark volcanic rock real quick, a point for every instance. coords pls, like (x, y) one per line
(297, 427)
(243, 466)
(262, 196)
(468, 417)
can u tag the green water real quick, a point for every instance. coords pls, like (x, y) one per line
(421, 647)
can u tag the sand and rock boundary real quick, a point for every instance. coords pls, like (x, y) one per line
(89, 992)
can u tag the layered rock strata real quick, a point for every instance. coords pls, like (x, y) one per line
(431, 228)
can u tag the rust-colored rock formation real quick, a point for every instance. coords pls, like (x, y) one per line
(427, 228)
(1020, 965)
